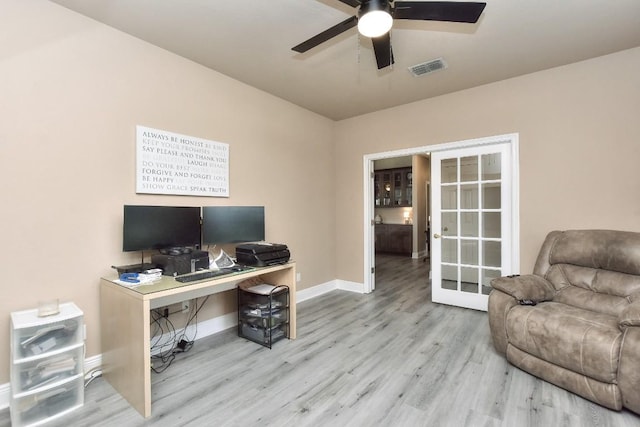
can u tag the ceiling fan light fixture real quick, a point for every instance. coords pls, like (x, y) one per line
(374, 18)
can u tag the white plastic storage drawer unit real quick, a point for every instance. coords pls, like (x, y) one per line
(47, 365)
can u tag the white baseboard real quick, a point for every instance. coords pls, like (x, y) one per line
(93, 362)
(324, 288)
(345, 285)
(5, 395)
(213, 326)
(419, 254)
(316, 291)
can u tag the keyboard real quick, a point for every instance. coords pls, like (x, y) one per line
(207, 274)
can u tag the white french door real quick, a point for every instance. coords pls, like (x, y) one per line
(471, 223)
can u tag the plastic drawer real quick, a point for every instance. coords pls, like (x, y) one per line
(52, 368)
(34, 336)
(264, 318)
(47, 403)
(264, 336)
(262, 302)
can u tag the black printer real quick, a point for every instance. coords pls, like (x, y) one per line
(262, 254)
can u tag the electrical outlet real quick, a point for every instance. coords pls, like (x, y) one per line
(185, 306)
(298, 277)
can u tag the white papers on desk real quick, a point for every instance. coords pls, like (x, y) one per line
(263, 289)
(123, 283)
(223, 260)
(143, 279)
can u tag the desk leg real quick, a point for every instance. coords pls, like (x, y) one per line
(125, 338)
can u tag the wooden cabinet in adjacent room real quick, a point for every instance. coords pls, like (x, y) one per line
(394, 238)
(393, 188)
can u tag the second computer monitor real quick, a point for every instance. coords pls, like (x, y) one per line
(232, 224)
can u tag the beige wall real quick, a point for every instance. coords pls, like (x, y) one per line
(579, 148)
(71, 93)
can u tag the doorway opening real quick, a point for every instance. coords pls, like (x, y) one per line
(400, 205)
(401, 216)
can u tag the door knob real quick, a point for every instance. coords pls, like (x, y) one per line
(436, 236)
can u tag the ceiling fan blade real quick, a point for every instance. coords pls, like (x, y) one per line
(352, 3)
(326, 35)
(382, 49)
(450, 11)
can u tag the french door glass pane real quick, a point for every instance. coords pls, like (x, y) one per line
(450, 277)
(469, 252)
(491, 226)
(492, 254)
(469, 279)
(450, 250)
(449, 171)
(469, 169)
(491, 196)
(469, 224)
(491, 166)
(449, 197)
(487, 276)
(469, 196)
(449, 224)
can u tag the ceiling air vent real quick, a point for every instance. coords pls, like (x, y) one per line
(427, 67)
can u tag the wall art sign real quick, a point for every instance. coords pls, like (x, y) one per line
(171, 163)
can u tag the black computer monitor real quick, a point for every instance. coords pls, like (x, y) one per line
(232, 224)
(159, 227)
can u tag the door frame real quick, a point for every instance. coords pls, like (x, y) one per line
(369, 243)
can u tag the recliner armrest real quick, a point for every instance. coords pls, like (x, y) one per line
(525, 288)
(630, 316)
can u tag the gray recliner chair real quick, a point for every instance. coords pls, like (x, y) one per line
(575, 322)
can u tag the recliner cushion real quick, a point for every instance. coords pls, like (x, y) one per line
(592, 301)
(602, 249)
(582, 341)
(604, 291)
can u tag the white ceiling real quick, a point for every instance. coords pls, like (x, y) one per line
(251, 41)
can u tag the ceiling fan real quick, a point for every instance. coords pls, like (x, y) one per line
(375, 18)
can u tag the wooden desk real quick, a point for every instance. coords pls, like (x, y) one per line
(125, 323)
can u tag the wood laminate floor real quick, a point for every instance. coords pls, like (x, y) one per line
(391, 358)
